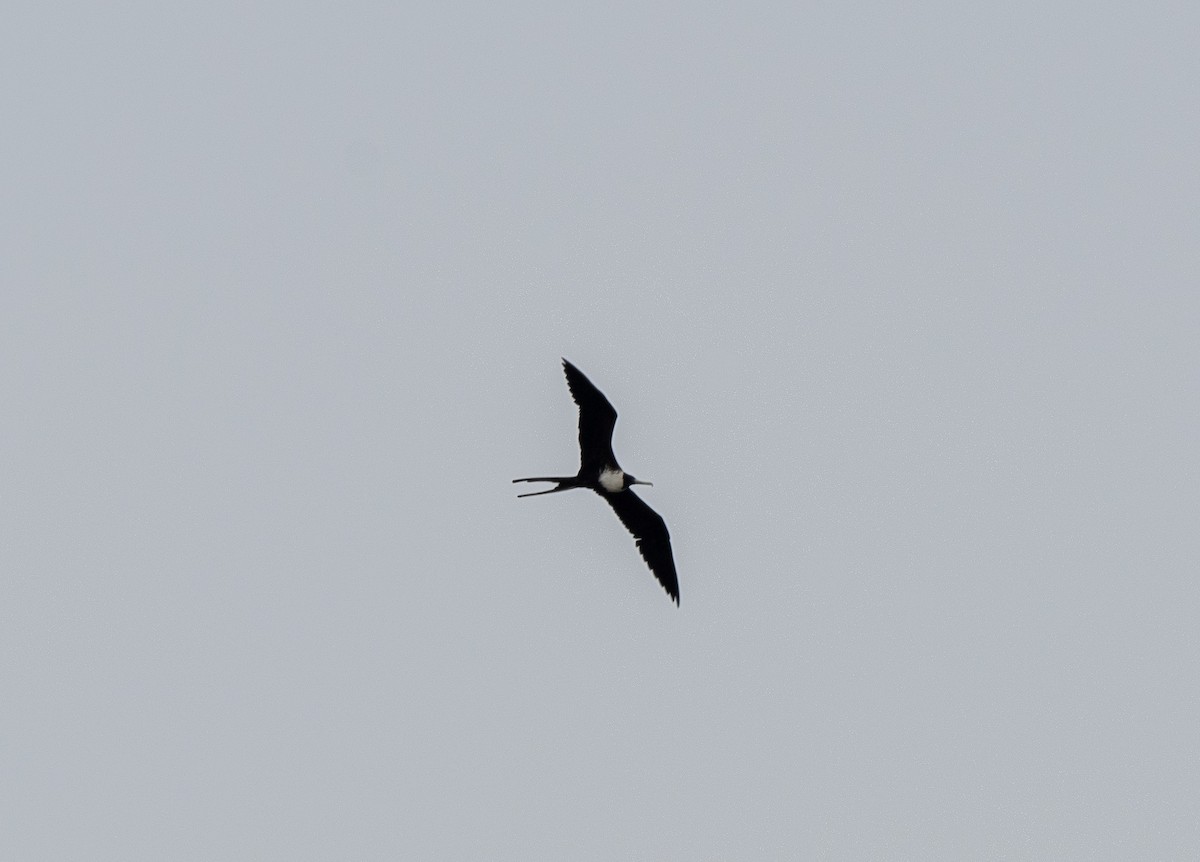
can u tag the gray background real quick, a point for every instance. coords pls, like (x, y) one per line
(900, 313)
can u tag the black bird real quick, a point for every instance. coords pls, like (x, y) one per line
(598, 470)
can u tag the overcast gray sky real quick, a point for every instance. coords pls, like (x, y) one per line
(900, 313)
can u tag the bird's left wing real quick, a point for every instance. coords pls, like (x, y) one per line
(650, 531)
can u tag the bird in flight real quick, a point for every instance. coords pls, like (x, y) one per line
(599, 471)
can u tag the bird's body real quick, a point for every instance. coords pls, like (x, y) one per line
(600, 472)
(612, 480)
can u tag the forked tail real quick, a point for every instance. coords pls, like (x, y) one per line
(565, 483)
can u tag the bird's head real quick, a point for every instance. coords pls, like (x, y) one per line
(631, 480)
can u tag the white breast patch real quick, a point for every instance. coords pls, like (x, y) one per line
(612, 480)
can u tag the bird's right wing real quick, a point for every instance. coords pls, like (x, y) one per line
(596, 418)
(650, 531)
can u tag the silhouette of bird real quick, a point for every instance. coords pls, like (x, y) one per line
(599, 471)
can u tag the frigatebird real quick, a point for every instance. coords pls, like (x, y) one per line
(599, 471)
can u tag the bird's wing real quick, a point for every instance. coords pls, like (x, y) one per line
(596, 418)
(650, 531)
